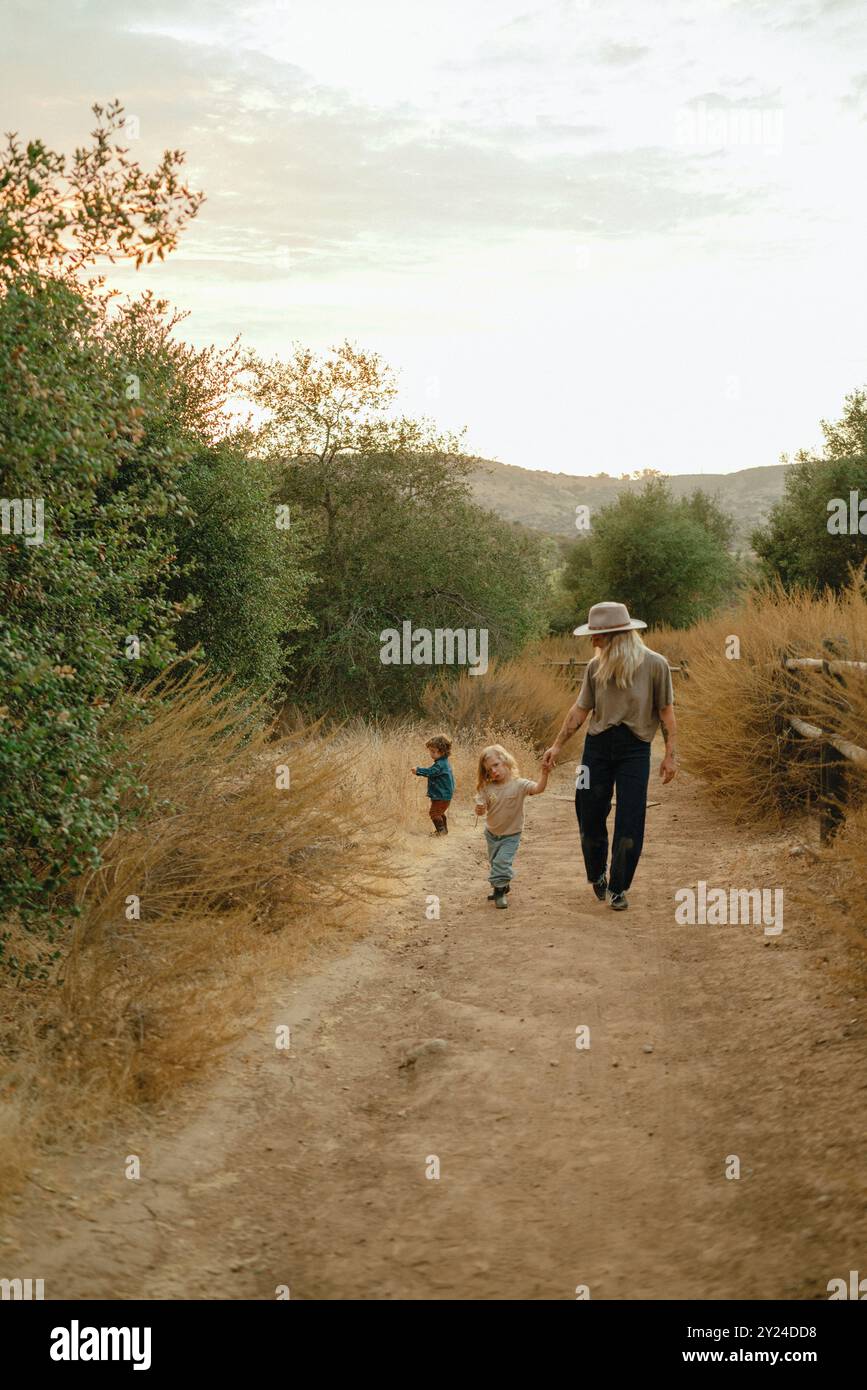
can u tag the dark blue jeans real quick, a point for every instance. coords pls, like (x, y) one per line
(616, 758)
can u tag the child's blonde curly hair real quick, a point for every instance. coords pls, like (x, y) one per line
(483, 779)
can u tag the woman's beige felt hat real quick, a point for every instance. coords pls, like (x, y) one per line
(608, 617)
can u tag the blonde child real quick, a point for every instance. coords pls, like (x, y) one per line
(500, 796)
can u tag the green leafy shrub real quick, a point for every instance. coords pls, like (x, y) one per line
(87, 611)
(244, 570)
(666, 558)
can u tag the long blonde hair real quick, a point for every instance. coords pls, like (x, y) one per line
(482, 779)
(620, 658)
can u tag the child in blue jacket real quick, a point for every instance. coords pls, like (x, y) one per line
(440, 782)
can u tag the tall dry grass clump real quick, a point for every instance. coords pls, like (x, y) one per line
(835, 880)
(222, 880)
(733, 708)
(525, 696)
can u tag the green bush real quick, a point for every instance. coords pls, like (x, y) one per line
(404, 544)
(795, 545)
(87, 612)
(667, 559)
(245, 571)
(63, 782)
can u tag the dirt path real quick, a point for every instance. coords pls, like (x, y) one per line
(559, 1167)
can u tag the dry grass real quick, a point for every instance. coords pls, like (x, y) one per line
(523, 696)
(735, 737)
(733, 710)
(234, 878)
(834, 884)
(382, 757)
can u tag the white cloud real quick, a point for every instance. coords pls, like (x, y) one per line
(501, 197)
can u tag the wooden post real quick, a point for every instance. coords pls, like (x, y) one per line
(783, 682)
(832, 789)
(835, 775)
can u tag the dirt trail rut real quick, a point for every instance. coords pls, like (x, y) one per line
(559, 1167)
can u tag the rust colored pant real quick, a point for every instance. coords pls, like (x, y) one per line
(437, 814)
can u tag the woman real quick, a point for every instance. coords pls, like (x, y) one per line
(627, 688)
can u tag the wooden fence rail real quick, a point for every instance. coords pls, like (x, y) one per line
(834, 752)
(572, 662)
(842, 745)
(820, 663)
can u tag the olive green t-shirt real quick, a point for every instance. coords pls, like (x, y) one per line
(637, 706)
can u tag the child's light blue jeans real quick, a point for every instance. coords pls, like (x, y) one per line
(501, 852)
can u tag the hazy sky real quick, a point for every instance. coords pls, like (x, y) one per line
(602, 235)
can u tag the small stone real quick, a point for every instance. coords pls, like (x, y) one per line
(648, 1047)
(422, 1049)
(553, 1064)
(615, 1064)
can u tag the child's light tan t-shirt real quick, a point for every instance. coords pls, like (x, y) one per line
(505, 805)
(637, 706)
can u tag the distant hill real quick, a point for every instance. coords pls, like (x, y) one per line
(547, 501)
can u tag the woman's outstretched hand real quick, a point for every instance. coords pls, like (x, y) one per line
(549, 758)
